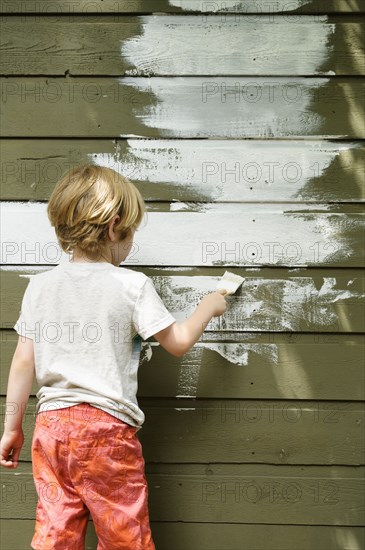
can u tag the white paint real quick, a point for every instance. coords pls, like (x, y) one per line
(249, 170)
(297, 301)
(192, 45)
(214, 234)
(176, 268)
(185, 396)
(238, 354)
(189, 370)
(180, 108)
(302, 302)
(243, 6)
(329, 293)
(179, 206)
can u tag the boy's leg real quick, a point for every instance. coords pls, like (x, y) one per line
(120, 516)
(61, 515)
(114, 484)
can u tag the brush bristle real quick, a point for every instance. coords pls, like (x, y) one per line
(229, 282)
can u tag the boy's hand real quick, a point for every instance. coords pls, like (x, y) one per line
(178, 338)
(10, 447)
(216, 301)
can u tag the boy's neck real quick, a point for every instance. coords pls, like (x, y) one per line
(86, 259)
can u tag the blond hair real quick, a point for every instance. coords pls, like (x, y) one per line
(84, 201)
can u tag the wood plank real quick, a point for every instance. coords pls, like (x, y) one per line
(15, 535)
(302, 371)
(292, 304)
(201, 234)
(259, 366)
(249, 431)
(194, 170)
(261, 494)
(184, 107)
(157, 45)
(56, 7)
(254, 431)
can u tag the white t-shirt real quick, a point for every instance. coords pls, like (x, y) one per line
(86, 321)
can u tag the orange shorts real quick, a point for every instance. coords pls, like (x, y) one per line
(86, 461)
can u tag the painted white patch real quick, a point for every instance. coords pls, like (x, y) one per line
(250, 170)
(178, 206)
(222, 107)
(189, 370)
(238, 353)
(176, 268)
(185, 409)
(214, 234)
(330, 294)
(171, 45)
(243, 6)
(291, 310)
(297, 305)
(302, 302)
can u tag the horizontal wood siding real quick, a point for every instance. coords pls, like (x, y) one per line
(195, 170)
(242, 124)
(184, 107)
(212, 536)
(187, 430)
(309, 304)
(292, 366)
(225, 234)
(123, 45)
(230, 493)
(312, 7)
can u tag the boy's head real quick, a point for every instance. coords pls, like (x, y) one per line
(93, 209)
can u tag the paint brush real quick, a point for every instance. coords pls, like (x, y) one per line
(229, 283)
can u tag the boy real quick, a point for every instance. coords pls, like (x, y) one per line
(79, 330)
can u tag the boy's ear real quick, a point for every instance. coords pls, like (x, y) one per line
(113, 236)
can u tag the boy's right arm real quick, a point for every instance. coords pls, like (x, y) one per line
(178, 338)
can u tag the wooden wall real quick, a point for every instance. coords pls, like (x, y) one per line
(242, 124)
